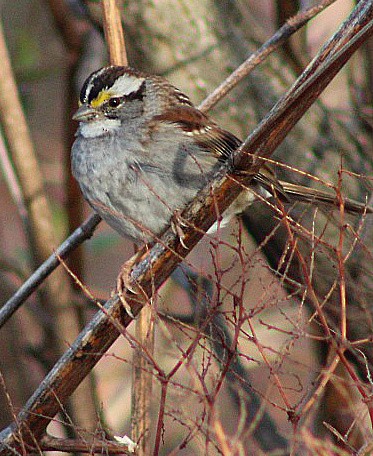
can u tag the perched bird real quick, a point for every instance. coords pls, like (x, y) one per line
(143, 151)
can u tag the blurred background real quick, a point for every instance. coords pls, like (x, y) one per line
(53, 47)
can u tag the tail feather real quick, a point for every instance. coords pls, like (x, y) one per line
(289, 192)
(312, 195)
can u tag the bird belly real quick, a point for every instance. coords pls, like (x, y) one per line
(136, 199)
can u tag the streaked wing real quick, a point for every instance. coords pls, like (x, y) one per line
(216, 141)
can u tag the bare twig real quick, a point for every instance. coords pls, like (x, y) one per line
(276, 41)
(286, 9)
(13, 185)
(265, 432)
(49, 443)
(161, 260)
(23, 154)
(82, 233)
(27, 167)
(73, 32)
(41, 230)
(142, 377)
(114, 32)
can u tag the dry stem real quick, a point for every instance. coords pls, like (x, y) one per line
(142, 377)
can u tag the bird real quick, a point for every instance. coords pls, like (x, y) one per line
(143, 151)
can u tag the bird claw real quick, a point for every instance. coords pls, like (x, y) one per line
(125, 283)
(125, 304)
(176, 225)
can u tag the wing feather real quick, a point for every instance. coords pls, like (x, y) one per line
(216, 141)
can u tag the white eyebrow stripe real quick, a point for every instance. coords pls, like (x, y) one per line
(126, 85)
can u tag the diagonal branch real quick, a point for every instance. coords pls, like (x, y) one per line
(83, 232)
(165, 255)
(229, 83)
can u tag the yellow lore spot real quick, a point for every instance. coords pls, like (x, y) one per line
(101, 98)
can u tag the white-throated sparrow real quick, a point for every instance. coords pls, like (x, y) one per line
(143, 151)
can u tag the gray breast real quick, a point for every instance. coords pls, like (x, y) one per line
(135, 190)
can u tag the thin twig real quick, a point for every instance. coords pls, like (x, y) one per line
(114, 32)
(13, 185)
(142, 377)
(276, 41)
(42, 239)
(82, 233)
(157, 264)
(49, 443)
(265, 431)
(28, 170)
(142, 381)
(74, 32)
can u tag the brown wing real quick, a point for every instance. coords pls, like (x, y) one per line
(220, 143)
(217, 142)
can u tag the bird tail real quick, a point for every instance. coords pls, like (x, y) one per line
(312, 195)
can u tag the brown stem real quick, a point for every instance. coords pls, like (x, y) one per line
(157, 264)
(160, 424)
(141, 371)
(114, 32)
(277, 40)
(49, 443)
(41, 233)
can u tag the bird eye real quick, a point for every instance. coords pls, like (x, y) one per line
(114, 102)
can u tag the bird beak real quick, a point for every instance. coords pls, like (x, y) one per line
(85, 113)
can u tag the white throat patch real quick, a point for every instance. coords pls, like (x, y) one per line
(98, 128)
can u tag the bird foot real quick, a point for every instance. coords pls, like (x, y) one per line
(176, 225)
(125, 283)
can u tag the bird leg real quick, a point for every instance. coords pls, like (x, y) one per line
(126, 283)
(176, 225)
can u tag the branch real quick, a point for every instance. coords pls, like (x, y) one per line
(242, 71)
(291, 26)
(82, 233)
(49, 443)
(114, 33)
(158, 263)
